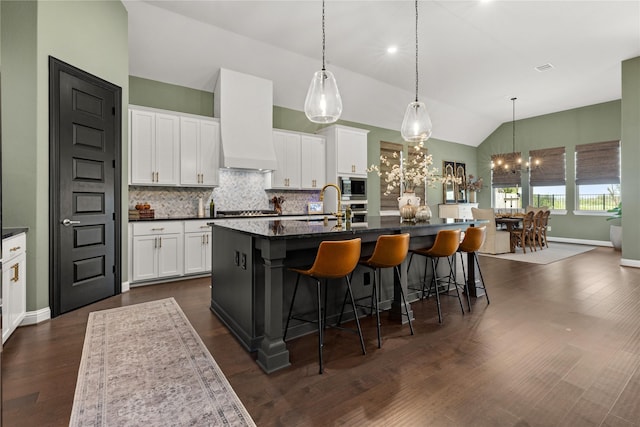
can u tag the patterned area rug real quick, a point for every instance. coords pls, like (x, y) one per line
(555, 252)
(145, 365)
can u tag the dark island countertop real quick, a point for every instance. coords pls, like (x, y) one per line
(13, 231)
(287, 229)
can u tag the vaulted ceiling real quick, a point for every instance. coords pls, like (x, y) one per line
(474, 56)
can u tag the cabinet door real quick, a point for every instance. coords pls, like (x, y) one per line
(145, 258)
(6, 277)
(194, 253)
(352, 152)
(313, 159)
(167, 150)
(142, 142)
(207, 252)
(292, 160)
(279, 176)
(209, 152)
(170, 255)
(17, 292)
(189, 142)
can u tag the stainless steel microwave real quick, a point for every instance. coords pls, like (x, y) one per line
(353, 188)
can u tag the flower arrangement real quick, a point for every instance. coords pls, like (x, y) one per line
(474, 184)
(410, 173)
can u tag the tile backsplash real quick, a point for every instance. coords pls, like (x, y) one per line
(238, 190)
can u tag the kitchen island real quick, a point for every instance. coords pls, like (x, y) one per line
(251, 287)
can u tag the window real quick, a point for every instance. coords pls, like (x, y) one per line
(597, 176)
(505, 181)
(547, 180)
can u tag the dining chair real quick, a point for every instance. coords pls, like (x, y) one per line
(542, 232)
(523, 236)
(538, 220)
(334, 260)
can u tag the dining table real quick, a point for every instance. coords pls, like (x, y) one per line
(511, 223)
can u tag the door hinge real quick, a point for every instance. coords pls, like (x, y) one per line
(113, 111)
(113, 215)
(113, 162)
(114, 269)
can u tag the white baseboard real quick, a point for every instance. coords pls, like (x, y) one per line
(581, 241)
(125, 286)
(630, 263)
(35, 317)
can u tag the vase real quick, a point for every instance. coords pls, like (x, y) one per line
(472, 196)
(408, 211)
(423, 213)
(406, 197)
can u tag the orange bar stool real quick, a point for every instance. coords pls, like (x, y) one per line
(334, 260)
(389, 252)
(473, 240)
(445, 246)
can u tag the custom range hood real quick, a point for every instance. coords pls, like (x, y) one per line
(244, 105)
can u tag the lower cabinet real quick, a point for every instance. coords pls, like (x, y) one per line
(166, 249)
(14, 283)
(197, 247)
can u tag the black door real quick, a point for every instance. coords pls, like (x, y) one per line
(85, 134)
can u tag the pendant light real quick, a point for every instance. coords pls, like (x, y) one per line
(416, 126)
(323, 103)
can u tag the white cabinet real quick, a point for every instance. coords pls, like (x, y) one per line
(157, 250)
(197, 247)
(312, 155)
(287, 147)
(14, 283)
(346, 151)
(199, 151)
(154, 141)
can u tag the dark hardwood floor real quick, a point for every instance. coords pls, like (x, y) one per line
(559, 345)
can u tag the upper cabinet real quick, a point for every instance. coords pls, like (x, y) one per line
(312, 150)
(301, 161)
(154, 140)
(346, 151)
(173, 148)
(199, 151)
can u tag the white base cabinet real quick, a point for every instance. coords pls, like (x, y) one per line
(157, 250)
(197, 247)
(14, 283)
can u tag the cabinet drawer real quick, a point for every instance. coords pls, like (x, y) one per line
(14, 246)
(197, 226)
(156, 227)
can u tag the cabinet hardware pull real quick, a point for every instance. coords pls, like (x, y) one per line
(160, 240)
(202, 239)
(207, 236)
(204, 226)
(157, 229)
(16, 272)
(155, 243)
(15, 248)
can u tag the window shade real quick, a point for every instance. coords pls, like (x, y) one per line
(509, 177)
(387, 149)
(551, 170)
(598, 163)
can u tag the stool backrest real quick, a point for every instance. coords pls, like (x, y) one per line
(336, 258)
(390, 250)
(473, 239)
(446, 244)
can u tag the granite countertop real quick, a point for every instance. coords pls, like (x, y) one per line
(287, 229)
(243, 218)
(13, 231)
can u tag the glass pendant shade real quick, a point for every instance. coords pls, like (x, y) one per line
(416, 126)
(323, 103)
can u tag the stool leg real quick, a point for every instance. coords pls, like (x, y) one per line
(293, 298)
(320, 325)
(376, 282)
(344, 302)
(433, 267)
(452, 269)
(404, 300)
(353, 303)
(466, 284)
(486, 294)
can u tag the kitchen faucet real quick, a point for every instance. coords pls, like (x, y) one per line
(339, 195)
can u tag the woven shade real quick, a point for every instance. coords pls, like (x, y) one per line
(504, 178)
(598, 163)
(551, 170)
(389, 202)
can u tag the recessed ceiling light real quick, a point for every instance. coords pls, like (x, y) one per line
(392, 49)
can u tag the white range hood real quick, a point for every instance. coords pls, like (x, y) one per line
(244, 105)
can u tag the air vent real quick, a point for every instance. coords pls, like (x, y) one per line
(544, 67)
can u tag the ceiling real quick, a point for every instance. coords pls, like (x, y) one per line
(474, 56)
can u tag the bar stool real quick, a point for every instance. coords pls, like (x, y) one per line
(473, 240)
(389, 252)
(334, 260)
(445, 246)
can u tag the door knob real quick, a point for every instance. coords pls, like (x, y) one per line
(67, 222)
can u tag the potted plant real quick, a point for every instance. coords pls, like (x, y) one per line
(615, 230)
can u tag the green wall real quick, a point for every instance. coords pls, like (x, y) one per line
(631, 157)
(600, 122)
(151, 93)
(92, 36)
